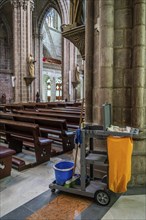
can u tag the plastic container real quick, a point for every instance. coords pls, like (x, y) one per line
(73, 181)
(63, 171)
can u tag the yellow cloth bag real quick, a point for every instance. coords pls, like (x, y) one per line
(119, 156)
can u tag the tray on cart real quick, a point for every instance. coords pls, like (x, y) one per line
(90, 130)
(107, 128)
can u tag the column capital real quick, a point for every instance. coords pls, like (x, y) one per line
(20, 3)
(15, 3)
(24, 4)
(31, 5)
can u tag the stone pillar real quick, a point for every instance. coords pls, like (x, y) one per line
(103, 77)
(139, 41)
(65, 67)
(21, 32)
(44, 88)
(89, 45)
(38, 58)
(30, 8)
(72, 62)
(123, 47)
(39, 67)
(38, 54)
(53, 89)
(31, 49)
(15, 45)
(138, 96)
(68, 60)
(23, 54)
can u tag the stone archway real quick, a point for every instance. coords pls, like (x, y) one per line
(5, 59)
(62, 7)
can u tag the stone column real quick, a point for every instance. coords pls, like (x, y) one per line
(39, 66)
(31, 50)
(53, 89)
(23, 90)
(72, 62)
(65, 67)
(103, 78)
(44, 87)
(89, 45)
(15, 45)
(30, 8)
(38, 54)
(123, 47)
(138, 96)
(68, 60)
(139, 41)
(21, 31)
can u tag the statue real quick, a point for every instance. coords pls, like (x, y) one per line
(78, 12)
(37, 97)
(3, 98)
(77, 74)
(31, 63)
(13, 81)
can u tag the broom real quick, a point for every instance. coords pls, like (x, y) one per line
(77, 147)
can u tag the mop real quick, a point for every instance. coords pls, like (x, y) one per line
(78, 138)
(78, 141)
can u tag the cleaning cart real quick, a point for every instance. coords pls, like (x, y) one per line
(88, 186)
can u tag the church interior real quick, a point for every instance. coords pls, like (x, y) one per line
(72, 109)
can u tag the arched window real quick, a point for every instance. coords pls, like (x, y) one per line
(52, 51)
(58, 89)
(4, 48)
(53, 19)
(49, 89)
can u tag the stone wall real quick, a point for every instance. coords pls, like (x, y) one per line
(123, 71)
(115, 70)
(6, 86)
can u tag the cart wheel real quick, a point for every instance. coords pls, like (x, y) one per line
(52, 190)
(102, 197)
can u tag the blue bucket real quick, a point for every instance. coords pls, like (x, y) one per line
(63, 171)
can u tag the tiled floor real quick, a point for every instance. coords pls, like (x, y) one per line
(25, 192)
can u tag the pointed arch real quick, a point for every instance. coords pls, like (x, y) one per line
(6, 24)
(3, 2)
(61, 6)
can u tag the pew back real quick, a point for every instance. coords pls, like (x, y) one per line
(18, 132)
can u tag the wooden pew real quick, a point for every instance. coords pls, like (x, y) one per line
(5, 161)
(18, 132)
(61, 111)
(61, 104)
(73, 104)
(29, 106)
(51, 105)
(68, 108)
(11, 107)
(2, 108)
(42, 105)
(71, 119)
(54, 129)
(70, 103)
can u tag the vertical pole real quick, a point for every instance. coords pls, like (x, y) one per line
(89, 50)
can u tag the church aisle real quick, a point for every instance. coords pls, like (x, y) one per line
(25, 193)
(126, 207)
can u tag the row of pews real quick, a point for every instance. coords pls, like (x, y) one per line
(45, 131)
(44, 105)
